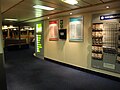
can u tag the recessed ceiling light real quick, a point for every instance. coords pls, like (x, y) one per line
(43, 7)
(11, 19)
(72, 2)
(107, 7)
(70, 13)
(14, 29)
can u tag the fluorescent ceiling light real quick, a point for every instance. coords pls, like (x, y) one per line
(11, 19)
(43, 7)
(72, 2)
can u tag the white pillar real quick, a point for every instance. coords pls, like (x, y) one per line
(3, 85)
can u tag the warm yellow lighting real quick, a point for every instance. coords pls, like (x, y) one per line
(31, 28)
(11, 26)
(15, 29)
(72, 2)
(4, 27)
(22, 29)
(107, 7)
(70, 13)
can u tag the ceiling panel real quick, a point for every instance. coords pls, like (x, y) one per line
(92, 9)
(92, 2)
(23, 9)
(6, 4)
(106, 0)
(82, 3)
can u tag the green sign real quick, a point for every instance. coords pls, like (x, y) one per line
(39, 45)
(39, 36)
(38, 28)
(61, 23)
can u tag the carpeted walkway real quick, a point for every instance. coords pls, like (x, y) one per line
(25, 72)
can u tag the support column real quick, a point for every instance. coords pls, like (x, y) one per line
(3, 85)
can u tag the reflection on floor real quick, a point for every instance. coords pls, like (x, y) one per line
(25, 72)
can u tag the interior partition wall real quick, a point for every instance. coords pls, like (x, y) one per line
(39, 40)
(76, 53)
(2, 70)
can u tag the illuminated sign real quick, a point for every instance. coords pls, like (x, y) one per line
(39, 45)
(38, 36)
(38, 28)
(111, 16)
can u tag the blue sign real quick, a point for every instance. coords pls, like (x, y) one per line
(111, 16)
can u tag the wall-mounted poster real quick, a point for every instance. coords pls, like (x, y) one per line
(76, 29)
(53, 30)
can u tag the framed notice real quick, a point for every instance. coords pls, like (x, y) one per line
(76, 29)
(53, 30)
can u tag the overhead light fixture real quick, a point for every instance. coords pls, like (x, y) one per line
(11, 19)
(70, 13)
(107, 7)
(72, 2)
(43, 7)
(14, 29)
(11, 26)
(4, 27)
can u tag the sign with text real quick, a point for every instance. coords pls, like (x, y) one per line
(38, 37)
(111, 16)
(76, 29)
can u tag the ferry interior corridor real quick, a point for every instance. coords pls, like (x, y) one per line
(60, 45)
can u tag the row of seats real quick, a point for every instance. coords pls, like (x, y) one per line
(16, 44)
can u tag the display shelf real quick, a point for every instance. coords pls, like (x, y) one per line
(98, 52)
(97, 41)
(96, 58)
(95, 30)
(106, 36)
(97, 37)
(118, 47)
(97, 45)
(118, 58)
